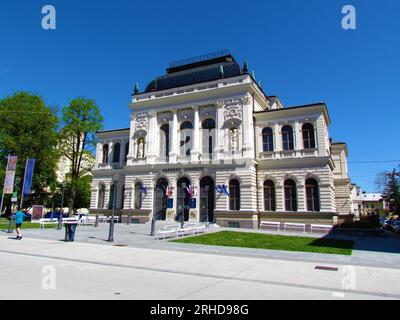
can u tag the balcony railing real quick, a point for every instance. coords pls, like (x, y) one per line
(287, 154)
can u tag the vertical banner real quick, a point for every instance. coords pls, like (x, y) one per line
(30, 165)
(10, 174)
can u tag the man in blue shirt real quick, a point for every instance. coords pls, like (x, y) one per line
(19, 220)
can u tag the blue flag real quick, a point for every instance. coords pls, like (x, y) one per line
(30, 165)
(143, 190)
(225, 191)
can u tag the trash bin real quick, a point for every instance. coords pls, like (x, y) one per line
(70, 228)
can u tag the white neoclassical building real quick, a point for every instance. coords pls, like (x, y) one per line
(205, 143)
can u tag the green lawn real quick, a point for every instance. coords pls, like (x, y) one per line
(26, 225)
(274, 242)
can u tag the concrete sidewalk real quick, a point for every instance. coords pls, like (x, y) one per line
(247, 272)
(368, 251)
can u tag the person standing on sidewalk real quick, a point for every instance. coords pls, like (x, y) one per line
(19, 220)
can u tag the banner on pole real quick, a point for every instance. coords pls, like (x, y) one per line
(30, 165)
(10, 174)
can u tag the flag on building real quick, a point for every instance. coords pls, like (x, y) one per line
(191, 190)
(168, 191)
(143, 190)
(222, 189)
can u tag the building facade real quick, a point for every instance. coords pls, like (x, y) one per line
(205, 143)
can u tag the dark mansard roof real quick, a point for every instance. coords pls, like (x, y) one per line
(196, 70)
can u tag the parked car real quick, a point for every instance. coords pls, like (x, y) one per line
(395, 225)
(396, 228)
(387, 224)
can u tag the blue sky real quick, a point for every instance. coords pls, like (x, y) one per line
(297, 48)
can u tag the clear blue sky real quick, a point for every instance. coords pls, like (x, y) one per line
(297, 48)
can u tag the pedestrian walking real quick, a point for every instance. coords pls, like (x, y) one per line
(19, 220)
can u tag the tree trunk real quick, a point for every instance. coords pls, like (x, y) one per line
(71, 200)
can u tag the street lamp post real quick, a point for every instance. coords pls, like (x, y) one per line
(96, 223)
(153, 218)
(128, 222)
(111, 230)
(13, 203)
(62, 207)
(10, 225)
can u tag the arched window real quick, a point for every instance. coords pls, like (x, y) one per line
(186, 138)
(208, 138)
(269, 196)
(268, 140)
(116, 152)
(138, 195)
(105, 153)
(308, 136)
(102, 195)
(287, 138)
(140, 148)
(290, 195)
(164, 142)
(312, 194)
(234, 195)
(126, 151)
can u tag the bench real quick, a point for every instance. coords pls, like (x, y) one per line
(192, 228)
(44, 221)
(116, 219)
(273, 224)
(168, 231)
(102, 219)
(87, 220)
(321, 227)
(292, 225)
(189, 228)
(200, 228)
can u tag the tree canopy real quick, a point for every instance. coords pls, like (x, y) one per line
(28, 128)
(81, 120)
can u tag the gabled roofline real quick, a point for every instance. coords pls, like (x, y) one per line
(299, 107)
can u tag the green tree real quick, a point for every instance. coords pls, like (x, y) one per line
(388, 183)
(81, 120)
(28, 128)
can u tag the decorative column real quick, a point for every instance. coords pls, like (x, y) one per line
(277, 140)
(151, 139)
(297, 136)
(132, 130)
(174, 137)
(301, 200)
(194, 154)
(99, 153)
(248, 133)
(219, 143)
(110, 152)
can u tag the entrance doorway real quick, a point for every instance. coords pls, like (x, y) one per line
(183, 199)
(207, 199)
(160, 201)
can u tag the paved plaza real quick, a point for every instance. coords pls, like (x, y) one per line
(369, 251)
(136, 266)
